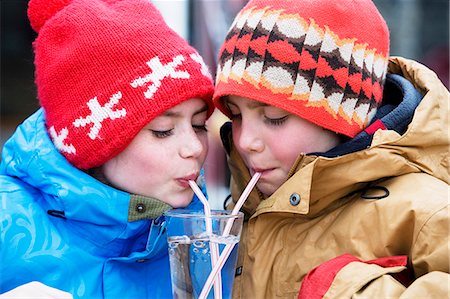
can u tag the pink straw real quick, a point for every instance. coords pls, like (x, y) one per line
(216, 270)
(229, 247)
(213, 247)
(241, 201)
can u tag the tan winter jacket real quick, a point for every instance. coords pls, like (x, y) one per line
(407, 176)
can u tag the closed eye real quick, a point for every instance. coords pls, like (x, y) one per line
(162, 134)
(200, 128)
(276, 121)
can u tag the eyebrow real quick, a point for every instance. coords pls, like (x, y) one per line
(177, 114)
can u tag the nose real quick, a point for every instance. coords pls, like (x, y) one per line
(191, 145)
(248, 137)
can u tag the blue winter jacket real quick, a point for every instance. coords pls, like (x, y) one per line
(62, 227)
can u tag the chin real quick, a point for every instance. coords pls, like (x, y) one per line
(266, 189)
(181, 203)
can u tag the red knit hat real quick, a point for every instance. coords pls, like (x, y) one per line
(323, 60)
(105, 69)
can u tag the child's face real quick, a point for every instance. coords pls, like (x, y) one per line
(164, 155)
(270, 139)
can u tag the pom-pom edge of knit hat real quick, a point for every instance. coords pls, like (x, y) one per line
(40, 11)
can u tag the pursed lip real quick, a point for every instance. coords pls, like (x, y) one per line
(184, 181)
(263, 171)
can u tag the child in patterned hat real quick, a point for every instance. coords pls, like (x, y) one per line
(352, 148)
(86, 179)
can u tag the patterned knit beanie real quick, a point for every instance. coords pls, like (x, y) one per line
(105, 69)
(323, 60)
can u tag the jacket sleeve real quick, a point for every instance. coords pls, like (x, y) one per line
(348, 277)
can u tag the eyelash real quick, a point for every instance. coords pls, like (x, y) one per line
(269, 121)
(164, 134)
(276, 121)
(161, 134)
(201, 128)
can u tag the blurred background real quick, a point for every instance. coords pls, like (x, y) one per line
(419, 30)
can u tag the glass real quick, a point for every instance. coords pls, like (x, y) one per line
(190, 246)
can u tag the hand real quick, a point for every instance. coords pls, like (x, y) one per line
(35, 290)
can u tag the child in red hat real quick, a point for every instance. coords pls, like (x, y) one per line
(352, 148)
(86, 179)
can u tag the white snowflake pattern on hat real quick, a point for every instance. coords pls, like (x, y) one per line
(100, 113)
(204, 68)
(58, 140)
(158, 72)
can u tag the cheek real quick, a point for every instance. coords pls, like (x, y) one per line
(205, 143)
(142, 154)
(132, 162)
(285, 148)
(236, 136)
(205, 153)
(301, 136)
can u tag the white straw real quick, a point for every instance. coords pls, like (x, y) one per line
(241, 201)
(216, 270)
(213, 247)
(229, 247)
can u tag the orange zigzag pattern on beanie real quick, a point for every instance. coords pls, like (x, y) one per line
(294, 63)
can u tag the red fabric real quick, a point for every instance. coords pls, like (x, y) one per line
(377, 125)
(39, 16)
(405, 277)
(307, 61)
(105, 69)
(355, 82)
(283, 51)
(390, 261)
(324, 69)
(244, 44)
(258, 45)
(377, 92)
(317, 282)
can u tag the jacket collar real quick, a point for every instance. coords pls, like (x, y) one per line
(400, 99)
(322, 180)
